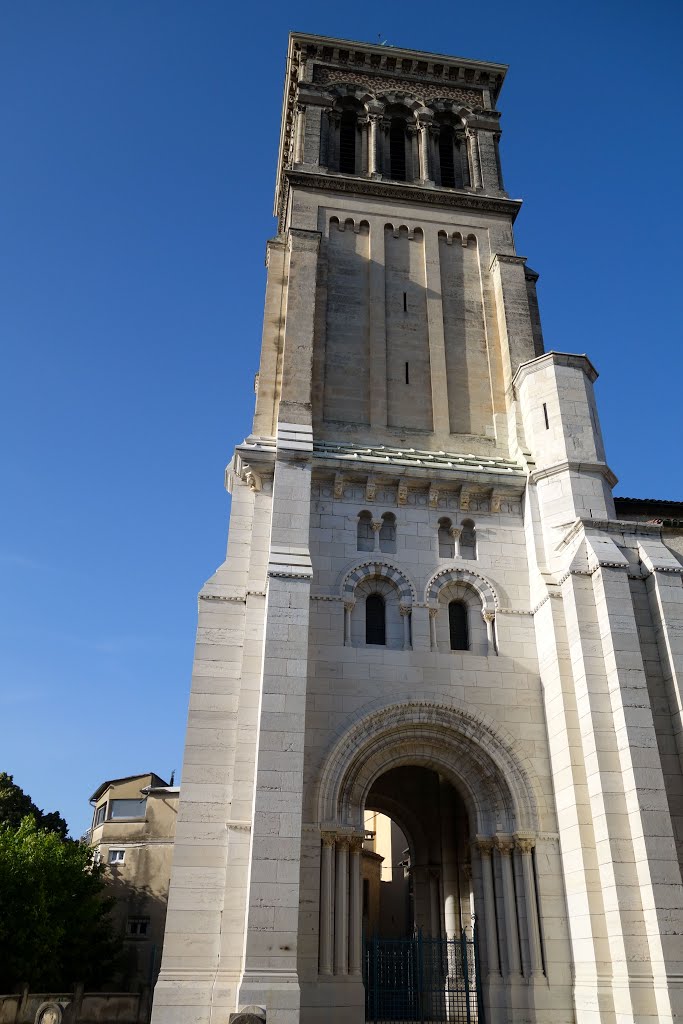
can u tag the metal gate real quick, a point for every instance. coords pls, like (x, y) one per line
(422, 981)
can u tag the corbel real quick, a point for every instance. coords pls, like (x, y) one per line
(465, 498)
(433, 495)
(339, 485)
(370, 488)
(402, 494)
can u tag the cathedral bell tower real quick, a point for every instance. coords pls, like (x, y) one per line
(424, 612)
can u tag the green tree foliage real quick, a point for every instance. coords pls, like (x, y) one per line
(54, 919)
(16, 805)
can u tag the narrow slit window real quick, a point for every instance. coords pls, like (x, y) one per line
(457, 625)
(375, 625)
(545, 416)
(405, 302)
(407, 374)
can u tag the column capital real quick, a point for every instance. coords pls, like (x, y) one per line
(328, 838)
(343, 842)
(349, 605)
(524, 842)
(356, 843)
(485, 845)
(377, 524)
(503, 843)
(405, 609)
(488, 616)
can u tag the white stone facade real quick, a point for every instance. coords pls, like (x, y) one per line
(413, 442)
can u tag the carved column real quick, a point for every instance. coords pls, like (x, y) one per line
(348, 608)
(413, 164)
(326, 902)
(433, 612)
(473, 144)
(485, 847)
(341, 907)
(299, 133)
(525, 845)
(455, 532)
(489, 618)
(405, 615)
(461, 152)
(385, 124)
(356, 908)
(377, 525)
(504, 846)
(372, 123)
(423, 130)
(449, 864)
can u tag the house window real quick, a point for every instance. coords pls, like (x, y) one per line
(365, 535)
(387, 533)
(137, 927)
(375, 625)
(100, 814)
(457, 625)
(468, 540)
(127, 808)
(446, 541)
(117, 856)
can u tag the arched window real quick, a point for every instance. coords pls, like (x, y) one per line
(387, 533)
(468, 540)
(457, 626)
(347, 142)
(365, 534)
(446, 540)
(375, 627)
(397, 149)
(447, 156)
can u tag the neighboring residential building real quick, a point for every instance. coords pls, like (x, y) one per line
(431, 609)
(133, 827)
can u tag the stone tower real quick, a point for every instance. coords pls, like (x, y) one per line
(429, 607)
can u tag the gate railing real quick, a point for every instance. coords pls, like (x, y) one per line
(422, 980)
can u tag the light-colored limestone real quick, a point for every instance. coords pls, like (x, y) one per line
(404, 400)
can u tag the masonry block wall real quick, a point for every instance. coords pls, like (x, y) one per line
(426, 573)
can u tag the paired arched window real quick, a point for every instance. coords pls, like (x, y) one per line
(457, 626)
(365, 535)
(446, 539)
(348, 130)
(468, 540)
(375, 620)
(387, 533)
(450, 159)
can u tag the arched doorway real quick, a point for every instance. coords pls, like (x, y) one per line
(419, 941)
(466, 804)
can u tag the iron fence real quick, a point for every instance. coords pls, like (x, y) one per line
(422, 981)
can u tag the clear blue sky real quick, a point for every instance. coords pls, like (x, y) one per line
(139, 145)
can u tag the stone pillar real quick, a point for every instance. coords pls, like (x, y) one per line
(488, 161)
(525, 845)
(455, 532)
(385, 147)
(434, 156)
(504, 847)
(341, 907)
(423, 130)
(473, 145)
(433, 612)
(300, 129)
(449, 865)
(437, 345)
(356, 907)
(373, 124)
(489, 618)
(405, 615)
(413, 161)
(485, 847)
(377, 525)
(326, 903)
(463, 157)
(348, 608)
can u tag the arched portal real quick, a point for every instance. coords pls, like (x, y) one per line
(465, 799)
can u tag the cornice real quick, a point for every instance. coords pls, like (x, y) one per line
(566, 466)
(353, 185)
(573, 359)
